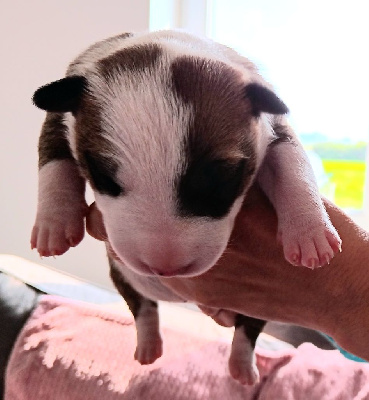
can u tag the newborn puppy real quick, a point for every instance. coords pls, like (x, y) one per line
(170, 131)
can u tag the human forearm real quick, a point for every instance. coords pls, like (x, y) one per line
(350, 287)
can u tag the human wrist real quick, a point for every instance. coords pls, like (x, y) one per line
(350, 326)
(348, 322)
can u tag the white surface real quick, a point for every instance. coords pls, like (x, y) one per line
(54, 282)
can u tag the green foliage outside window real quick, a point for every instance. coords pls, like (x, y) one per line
(344, 164)
(348, 177)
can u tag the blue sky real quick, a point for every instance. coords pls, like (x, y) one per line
(315, 53)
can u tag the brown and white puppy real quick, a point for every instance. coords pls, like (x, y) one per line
(170, 131)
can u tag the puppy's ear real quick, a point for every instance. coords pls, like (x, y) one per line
(62, 95)
(264, 100)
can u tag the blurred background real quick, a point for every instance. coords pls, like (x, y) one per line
(315, 53)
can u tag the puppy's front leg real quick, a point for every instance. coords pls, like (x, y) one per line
(304, 228)
(61, 203)
(145, 312)
(242, 363)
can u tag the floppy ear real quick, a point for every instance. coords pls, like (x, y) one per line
(62, 95)
(264, 100)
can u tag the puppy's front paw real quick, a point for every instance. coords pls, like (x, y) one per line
(55, 232)
(310, 244)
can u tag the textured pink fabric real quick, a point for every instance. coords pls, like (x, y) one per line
(74, 351)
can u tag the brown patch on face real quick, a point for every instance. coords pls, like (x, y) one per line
(220, 149)
(94, 151)
(53, 143)
(222, 115)
(132, 59)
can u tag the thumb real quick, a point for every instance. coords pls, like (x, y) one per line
(95, 224)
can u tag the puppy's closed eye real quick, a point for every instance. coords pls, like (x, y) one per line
(209, 188)
(101, 173)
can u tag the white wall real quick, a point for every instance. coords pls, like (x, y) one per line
(38, 39)
(190, 15)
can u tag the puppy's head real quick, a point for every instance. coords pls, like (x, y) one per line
(169, 143)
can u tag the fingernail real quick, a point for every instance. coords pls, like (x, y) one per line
(295, 259)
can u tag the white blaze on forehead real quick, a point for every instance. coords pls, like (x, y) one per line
(146, 124)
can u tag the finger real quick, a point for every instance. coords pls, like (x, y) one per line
(95, 224)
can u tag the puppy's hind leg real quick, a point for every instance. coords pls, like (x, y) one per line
(242, 362)
(145, 312)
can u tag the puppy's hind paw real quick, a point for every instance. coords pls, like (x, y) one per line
(243, 371)
(149, 351)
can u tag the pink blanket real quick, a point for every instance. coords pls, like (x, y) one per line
(75, 351)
